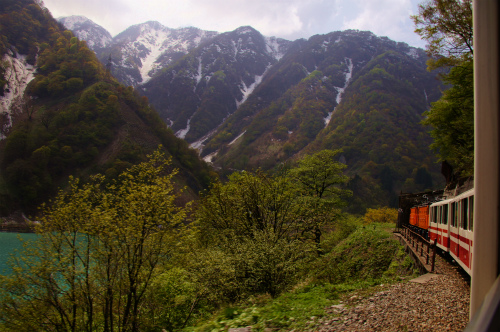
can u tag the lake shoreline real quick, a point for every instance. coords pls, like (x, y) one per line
(17, 222)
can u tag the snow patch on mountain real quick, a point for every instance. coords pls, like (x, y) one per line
(152, 41)
(73, 21)
(198, 145)
(183, 132)
(153, 46)
(325, 45)
(94, 34)
(234, 140)
(348, 76)
(18, 73)
(208, 158)
(275, 47)
(247, 90)
(412, 53)
(199, 75)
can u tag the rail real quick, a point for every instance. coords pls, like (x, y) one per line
(417, 242)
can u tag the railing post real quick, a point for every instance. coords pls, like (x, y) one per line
(428, 251)
(433, 255)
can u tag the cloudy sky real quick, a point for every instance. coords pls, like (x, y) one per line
(290, 19)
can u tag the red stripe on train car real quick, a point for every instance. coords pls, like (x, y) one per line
(464, 240)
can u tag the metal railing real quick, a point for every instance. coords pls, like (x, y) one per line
(421, 246)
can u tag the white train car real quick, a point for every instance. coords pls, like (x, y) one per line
(451, 224)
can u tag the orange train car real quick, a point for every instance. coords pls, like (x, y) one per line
(414, 216)
(423, 217)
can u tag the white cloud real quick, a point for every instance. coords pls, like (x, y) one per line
(288, 19)
(389, 18)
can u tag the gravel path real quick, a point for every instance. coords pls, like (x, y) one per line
(440, 304)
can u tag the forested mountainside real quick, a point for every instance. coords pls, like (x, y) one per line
(246, 101)
(73, 118)
(349, 90)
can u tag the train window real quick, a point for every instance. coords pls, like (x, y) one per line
(454, 207)
(445, 215)
(471, 213)
(465, 213)
(434, 214)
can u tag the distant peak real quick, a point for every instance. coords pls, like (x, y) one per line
(245, 29)
(153, 23)
(70, 21)
(74, 18)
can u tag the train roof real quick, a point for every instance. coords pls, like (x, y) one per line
(455, 198)
(443, 202)
(465, 194)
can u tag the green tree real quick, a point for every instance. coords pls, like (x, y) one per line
(447, 27)
(319, 177)
(251, 202)
(100, 248)
(251, 234)
(452, 120)
(257, 230)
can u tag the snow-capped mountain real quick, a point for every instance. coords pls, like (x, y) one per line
(139, 52)
(96, 36)
(142, 49)
(198, 92)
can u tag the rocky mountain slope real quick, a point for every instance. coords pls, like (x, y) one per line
(349, 90)
(95, 35)
(196, 94)
(247, 101)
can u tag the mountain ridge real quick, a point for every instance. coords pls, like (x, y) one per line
(248, 101)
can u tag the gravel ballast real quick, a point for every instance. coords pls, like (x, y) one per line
(440, 303)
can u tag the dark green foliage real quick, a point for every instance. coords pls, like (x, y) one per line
(450, 44)
(75, 120)
(452, 120)
(265, 228)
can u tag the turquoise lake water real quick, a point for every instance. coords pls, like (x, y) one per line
(9, 243)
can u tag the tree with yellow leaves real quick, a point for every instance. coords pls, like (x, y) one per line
(100, 248)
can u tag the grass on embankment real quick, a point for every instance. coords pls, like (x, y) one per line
(368, 257)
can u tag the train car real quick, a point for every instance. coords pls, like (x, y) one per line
(419, 219)
(451, 223)
(413, 216)
(439, 224)
(461, 229)
(423, 217)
